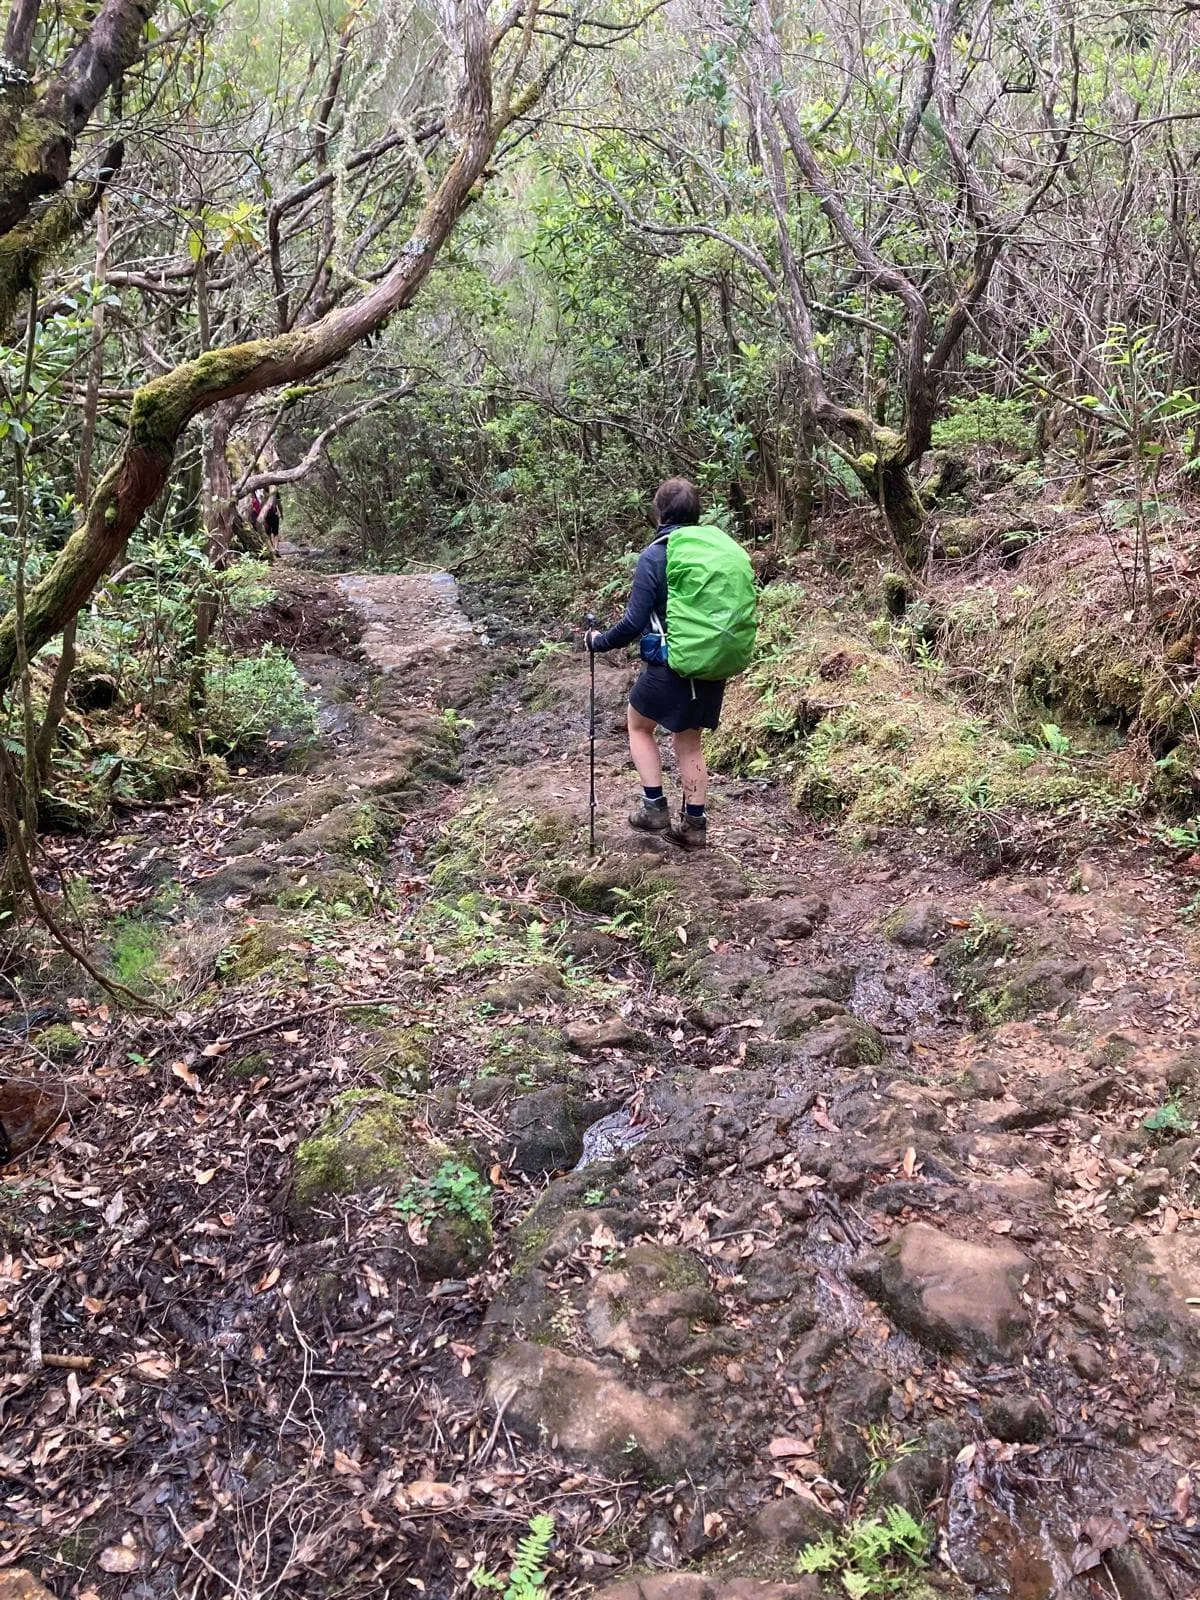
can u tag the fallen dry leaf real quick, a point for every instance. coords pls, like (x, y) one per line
(431, 1496)
(120, 1558)
(783, 1448)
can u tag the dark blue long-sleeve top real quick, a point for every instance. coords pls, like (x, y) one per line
(647, 597)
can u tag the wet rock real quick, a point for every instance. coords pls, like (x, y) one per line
(917, 925)
(982, 1081)
(1016, 1418)
(1133, 1576)
(595, 1418)
(614, 1033)
(643, 1310)
(788, 1525)
(525, 991)
(794, 917)
(698, 1586)
(29, 1112)
(545, 1131)
(867, 1272)
(1050, 984)
(957, 1296)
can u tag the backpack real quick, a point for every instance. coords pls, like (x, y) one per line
(711, 604)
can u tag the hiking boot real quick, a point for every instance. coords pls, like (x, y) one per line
(690, 832)
(650, 816)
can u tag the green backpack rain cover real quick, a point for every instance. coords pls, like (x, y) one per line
(711, 602)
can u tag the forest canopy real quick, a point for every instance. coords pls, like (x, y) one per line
(810, 257)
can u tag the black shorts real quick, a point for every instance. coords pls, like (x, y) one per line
(676, 703)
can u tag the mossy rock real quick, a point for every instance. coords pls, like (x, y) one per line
(366, 1142)
(536, 986)
(327, 890)
(59, 1042)
(529, 1055)
(260, 946)
(607, 887)
(358, 832)
(256, 1064)
(289, 817)
(1046, 985)
(401, 1058)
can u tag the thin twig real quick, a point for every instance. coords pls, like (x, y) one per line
(36, 1360)
(368, 1003)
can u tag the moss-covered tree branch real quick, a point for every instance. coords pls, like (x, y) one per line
(162, 408)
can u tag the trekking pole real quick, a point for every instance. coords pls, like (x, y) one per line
(591, 622)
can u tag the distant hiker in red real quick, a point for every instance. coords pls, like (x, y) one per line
(264, 515)
(693, 604)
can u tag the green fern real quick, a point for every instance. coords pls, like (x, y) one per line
(527, 1578)
(874, 1556)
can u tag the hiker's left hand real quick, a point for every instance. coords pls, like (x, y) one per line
(589, 637)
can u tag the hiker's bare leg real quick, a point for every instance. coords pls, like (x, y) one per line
(693, 770)
(643, 747)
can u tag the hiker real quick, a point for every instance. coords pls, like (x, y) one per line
(692, 602)
(265, 518)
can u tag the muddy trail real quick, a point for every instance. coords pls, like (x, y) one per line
(712, 1204)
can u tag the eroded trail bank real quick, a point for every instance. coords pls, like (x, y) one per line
(710, 1204)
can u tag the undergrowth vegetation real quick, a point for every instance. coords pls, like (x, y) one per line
(881, 716)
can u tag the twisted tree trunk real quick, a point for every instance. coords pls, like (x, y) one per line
(162, 408)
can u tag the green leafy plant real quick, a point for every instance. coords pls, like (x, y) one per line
(1181, 836)
(526, 1579)
(873, 1556)
(254, 698)
(454, 1190)
(1168, 1118)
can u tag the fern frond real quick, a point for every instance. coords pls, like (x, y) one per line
(528, 1576)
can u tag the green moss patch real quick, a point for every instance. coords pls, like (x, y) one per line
(875, 738)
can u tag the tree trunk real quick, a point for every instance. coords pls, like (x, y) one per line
(162, 408)
(881, 466)
(219, 523)
(56, 705)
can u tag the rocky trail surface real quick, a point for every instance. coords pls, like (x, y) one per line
(712, 1204)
